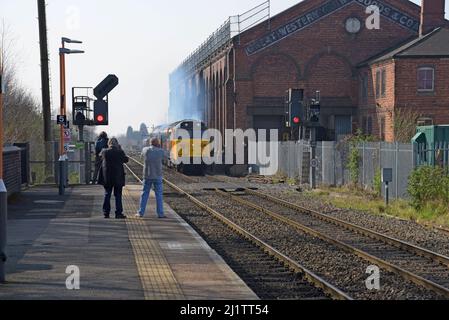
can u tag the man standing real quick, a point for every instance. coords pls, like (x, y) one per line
(152, 173)
(112, 177)
(102, 143)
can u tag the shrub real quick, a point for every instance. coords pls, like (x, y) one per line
(428, 186)
(377, 183)
(353, 162)
(353, 165)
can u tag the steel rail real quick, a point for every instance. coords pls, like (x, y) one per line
(133, 173)
(313, 278)
(348, 248)
(350, 226)
(353, 227)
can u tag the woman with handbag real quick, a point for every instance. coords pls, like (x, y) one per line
(112, 177)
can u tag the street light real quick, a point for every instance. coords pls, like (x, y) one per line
(62, 154)
(69, 51)
(67, 40)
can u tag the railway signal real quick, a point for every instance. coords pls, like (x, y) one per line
(106, 86)
(315, 108)
(295, 108)
(101, 117)
(294, 111)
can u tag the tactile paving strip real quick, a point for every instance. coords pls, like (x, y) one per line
(158, 280)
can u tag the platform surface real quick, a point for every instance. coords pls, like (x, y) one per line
(133, 259)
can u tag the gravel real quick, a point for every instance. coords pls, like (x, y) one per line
(342, 269)
(267, 277)
(406, 230)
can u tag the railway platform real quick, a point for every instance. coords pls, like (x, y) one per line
(138, 259)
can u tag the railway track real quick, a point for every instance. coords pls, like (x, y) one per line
(267, 271)
(420, 266)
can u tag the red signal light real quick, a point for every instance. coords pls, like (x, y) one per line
(296, 120)
(100, 118)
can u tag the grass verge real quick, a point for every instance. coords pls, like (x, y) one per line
(354, 199)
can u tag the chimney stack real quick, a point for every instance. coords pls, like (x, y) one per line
(432, 15)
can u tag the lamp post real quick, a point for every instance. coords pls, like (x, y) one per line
(3, 191)
(63, 112)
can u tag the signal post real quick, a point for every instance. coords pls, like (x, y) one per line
(300, 121)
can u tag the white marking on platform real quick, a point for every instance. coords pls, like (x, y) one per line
(48, 201)
(179, 246)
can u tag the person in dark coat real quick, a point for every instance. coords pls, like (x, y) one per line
(102, 143)
(112, 177)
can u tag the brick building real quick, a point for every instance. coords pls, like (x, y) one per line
(364, 76)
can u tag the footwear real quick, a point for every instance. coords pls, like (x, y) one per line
(120, 216)
(161, 217)
(138, 215)
(106, 216)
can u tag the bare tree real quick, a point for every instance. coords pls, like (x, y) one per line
(405, 121)
(22, 116)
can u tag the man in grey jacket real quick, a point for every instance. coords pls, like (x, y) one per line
(152, 174)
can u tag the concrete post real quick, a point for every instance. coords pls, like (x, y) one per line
(313, 145)
(363, 163)
(3, 229)
(397, 171)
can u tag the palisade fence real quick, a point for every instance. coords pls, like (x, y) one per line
(333, 157)
(435, 154)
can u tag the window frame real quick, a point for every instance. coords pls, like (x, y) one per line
(381, 83)
(425, 68)
(425, 121)
(378, 84)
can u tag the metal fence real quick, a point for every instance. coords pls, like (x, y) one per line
(44, 163)
(434, 154)
(332, 160)
(222, 37)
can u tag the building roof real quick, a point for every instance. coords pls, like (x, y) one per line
(432, 45)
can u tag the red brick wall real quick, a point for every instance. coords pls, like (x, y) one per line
(340, 85)
(12, 175)
(402, 93)
(324, 54)
(378, 107)
(272, 74)
(435, 104)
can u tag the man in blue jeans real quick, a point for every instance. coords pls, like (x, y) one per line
(152, 173)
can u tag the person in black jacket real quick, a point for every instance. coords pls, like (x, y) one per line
(102, 143)
(112, 177)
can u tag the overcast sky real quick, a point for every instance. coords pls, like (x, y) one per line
(141, 41)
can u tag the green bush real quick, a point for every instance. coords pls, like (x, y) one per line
(429, 186)
(377, 183)
(353, 165)
(354, 154)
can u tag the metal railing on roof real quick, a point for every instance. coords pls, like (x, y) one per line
(223, 36)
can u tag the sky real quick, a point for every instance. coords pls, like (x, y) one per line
(141, 41)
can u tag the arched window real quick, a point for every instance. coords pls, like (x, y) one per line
(426, 79)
